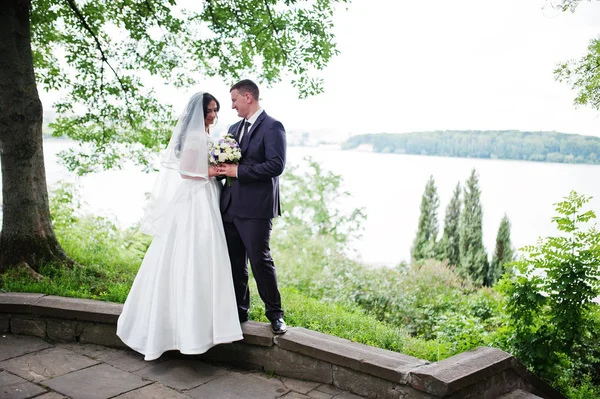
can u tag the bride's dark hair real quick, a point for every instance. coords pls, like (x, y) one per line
(187, 117)
(206, 99)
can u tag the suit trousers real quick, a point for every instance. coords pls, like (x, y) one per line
(248, 239)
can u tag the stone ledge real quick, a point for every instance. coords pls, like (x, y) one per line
(4, 323)
(271, 359)
(519, 394)
(29, 326)
(539, 386)
(78, 309)
(349, 365)
(381, 363)
(459, 371)
(257, 333)
(17, 302)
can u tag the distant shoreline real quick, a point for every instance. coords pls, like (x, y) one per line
(538, 147)
(545, 147)
(338, 148)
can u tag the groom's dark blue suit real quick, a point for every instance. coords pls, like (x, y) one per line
(248, 207)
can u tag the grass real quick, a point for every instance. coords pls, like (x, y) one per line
(351, 324)
(91, 282)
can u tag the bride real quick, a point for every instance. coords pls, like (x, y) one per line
(183, 297)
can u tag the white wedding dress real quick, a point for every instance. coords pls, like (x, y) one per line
(183, 297)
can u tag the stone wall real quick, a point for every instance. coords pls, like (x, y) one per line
(300, 353)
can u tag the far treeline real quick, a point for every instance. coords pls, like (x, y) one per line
(491, 144)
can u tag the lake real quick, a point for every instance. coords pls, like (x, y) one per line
(389, 187)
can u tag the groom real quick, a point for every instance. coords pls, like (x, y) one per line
(251, 202)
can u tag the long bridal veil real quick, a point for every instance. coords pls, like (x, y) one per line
(182, 297)
(185, 156)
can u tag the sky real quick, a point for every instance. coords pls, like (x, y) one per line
(409, 66)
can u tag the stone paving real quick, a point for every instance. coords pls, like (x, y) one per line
(33, 368)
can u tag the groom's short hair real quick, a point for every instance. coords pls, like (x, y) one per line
(246, 86)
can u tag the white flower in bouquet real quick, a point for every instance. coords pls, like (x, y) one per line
(226, 150)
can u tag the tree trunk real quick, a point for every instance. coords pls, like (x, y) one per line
(27, 235)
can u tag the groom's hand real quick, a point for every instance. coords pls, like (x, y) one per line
(228, 169)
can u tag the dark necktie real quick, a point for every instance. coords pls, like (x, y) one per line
(245, 133)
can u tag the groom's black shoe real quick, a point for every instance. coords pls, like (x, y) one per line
(278, 326)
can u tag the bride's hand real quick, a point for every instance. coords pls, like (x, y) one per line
(212, 171)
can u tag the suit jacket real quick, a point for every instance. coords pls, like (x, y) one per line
(255, 192)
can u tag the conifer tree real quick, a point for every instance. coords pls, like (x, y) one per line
(502, 254)
(448, 247)
(473, 258)
(427, 230)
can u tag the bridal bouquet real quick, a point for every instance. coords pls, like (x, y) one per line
(226, 150)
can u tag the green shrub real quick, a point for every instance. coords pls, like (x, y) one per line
(554, 323)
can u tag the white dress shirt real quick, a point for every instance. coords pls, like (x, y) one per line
(252, 120)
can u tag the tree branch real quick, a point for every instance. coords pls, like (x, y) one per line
(103, 96)
(593, 68)
(212, 12)
(277, 38)
(149, 6)
(96, 40)
(104, 59)
(235, 11)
